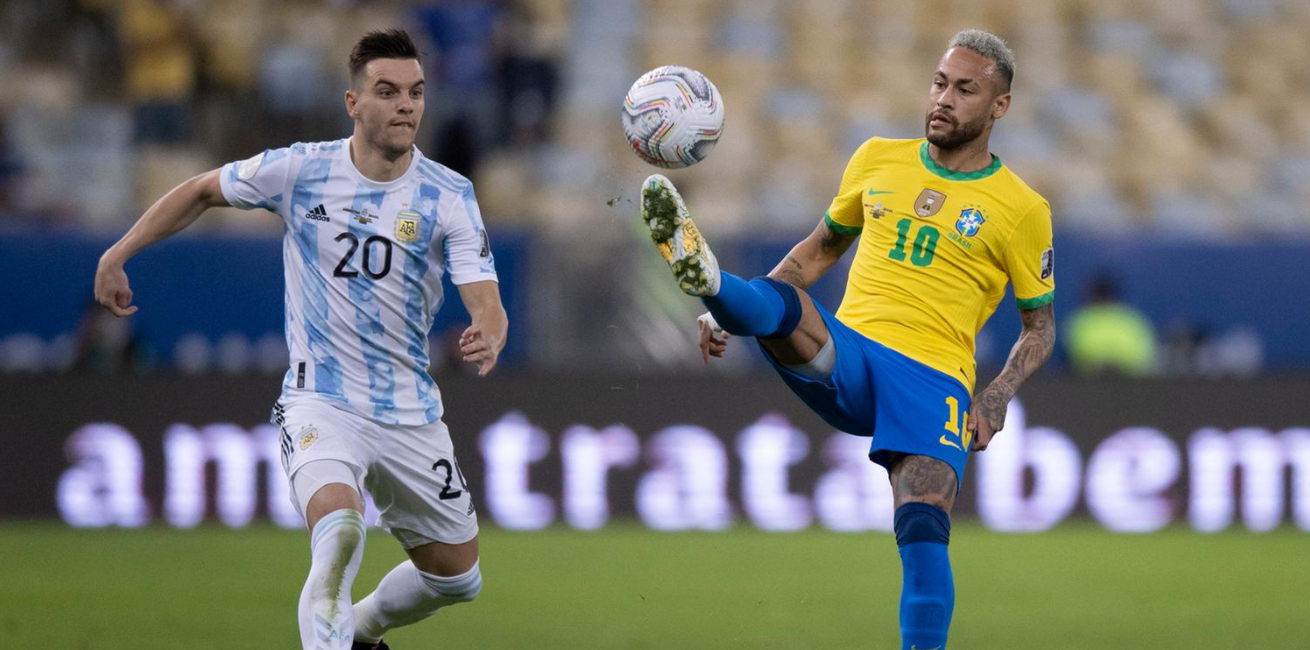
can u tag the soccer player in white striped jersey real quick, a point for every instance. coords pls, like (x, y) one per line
(371, 226)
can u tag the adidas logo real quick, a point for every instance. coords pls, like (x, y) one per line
(317, 214)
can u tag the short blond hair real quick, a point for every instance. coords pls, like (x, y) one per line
(992, 47)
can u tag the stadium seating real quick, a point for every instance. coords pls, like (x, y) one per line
(1131, 116)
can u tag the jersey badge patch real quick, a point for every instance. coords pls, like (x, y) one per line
(308, 438)
(364, 217)
(929, 203)
(407, 226)
(1048, 263)
(970, 221)
(248, 167)
(876, 211)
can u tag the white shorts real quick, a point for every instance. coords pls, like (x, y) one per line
(410, 471)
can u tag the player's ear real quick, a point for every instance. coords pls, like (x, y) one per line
(1000, 105)
(352, 100)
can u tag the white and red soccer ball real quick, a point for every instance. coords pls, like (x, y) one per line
(672, 117)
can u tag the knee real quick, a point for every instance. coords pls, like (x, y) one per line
(465, 592)
(918, 522)
(348, 540)
(456, 589)
(792, 310)
(343, 529)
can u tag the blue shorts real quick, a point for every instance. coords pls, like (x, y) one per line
(907, 407)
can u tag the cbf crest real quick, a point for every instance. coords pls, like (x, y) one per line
(407, 226)
(971, 219)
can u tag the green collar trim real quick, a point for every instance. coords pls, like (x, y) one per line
(952, 175)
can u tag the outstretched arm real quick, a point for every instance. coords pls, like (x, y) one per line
(1036, 341)
(483, 340)
(168, 216)
(813, 256)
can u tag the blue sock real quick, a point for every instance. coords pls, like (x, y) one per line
(762, 307)
(928, 591)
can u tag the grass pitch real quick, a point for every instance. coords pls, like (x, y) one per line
(625, 587)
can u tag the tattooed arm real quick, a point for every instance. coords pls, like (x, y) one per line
(812, 257)
(803, 266)
(1033, 348)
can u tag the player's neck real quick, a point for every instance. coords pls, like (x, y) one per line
(375, 165)
(969, 157)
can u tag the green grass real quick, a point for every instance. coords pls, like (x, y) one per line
(626, 587)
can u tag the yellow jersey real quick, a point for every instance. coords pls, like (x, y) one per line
(936, 250)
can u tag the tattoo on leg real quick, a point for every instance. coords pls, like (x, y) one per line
(925, 480)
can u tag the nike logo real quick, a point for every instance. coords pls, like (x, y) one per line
(945, 441)
(875, 193)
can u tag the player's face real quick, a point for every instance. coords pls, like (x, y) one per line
(963, 100)
(388, 104)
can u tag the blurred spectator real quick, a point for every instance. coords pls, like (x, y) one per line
(1193, 350)
(529, 79)
(1106, 336)
(9, 170)
(461, 97)
(107, 344)
(1179, 347)
(161, 68)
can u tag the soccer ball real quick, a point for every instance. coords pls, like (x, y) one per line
(672, 117)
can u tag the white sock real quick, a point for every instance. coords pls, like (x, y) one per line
(407, 595)
(337, 546)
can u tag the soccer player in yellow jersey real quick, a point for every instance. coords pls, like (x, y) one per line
(942, 225)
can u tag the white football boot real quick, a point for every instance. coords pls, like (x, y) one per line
(677, 238)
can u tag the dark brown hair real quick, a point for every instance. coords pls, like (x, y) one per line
(385, 44)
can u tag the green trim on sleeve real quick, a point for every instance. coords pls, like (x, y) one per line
(951, 174)
(1039, 301)
(849, 231)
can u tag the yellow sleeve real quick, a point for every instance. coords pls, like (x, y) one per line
(846, 212)
(1030, 258)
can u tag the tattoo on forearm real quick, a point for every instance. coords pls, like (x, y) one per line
(790, 271)
(1029, 353)
(991, 405)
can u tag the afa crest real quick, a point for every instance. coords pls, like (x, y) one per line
(407, 227)
(971, 219)
(308, 438)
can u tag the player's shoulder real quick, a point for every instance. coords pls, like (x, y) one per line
(308, 150)
(877, 146)
(442, 176)
(1022, 197)
(296, 153)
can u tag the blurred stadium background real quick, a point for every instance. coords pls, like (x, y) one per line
(632, 496)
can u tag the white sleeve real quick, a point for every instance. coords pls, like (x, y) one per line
(260, 181)
(466, 247)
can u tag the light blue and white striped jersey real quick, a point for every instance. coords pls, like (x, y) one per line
(364, 262)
